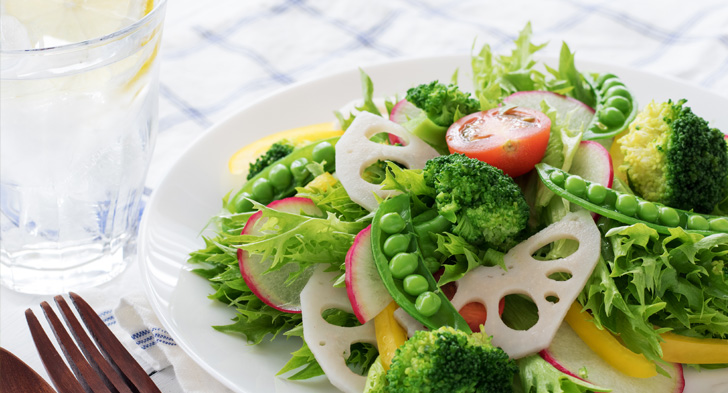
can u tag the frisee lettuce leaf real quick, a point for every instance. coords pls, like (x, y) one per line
(496, 77)
(368, 105)
(648, 283)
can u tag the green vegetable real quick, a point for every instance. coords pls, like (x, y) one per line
(267, 184)
(538, 376)
(673, 157)
(367, 88)
(627, 208)
(447, 360)
(277, 151)
(647, 283)
(614, 110)
(442, 105)
(415, 284)
(495, 78)
(333, 199)
(486, 206)
(445, 314)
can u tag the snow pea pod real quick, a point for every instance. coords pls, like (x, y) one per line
(615, 109)
(627, 208)
(430, 306)
(280, 179)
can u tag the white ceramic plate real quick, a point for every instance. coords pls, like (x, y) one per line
(191, 193)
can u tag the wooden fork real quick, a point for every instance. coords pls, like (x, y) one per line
(114, 371)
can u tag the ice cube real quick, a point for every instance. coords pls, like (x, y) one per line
(13, 35)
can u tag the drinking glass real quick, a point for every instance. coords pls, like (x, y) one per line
(78, 119)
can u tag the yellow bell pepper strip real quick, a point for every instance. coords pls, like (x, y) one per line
(390, 335)
(691, 350)
(607, 346)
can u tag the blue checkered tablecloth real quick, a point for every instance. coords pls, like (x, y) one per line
(218, 57)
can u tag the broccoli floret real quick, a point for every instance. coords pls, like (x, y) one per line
(443, 104)
(277, 151)
(447, 360)
(485, 204)
(672, 156)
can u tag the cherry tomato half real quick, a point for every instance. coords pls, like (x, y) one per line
(513, 140)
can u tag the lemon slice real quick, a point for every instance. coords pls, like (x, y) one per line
(58, 22)
(238, 163)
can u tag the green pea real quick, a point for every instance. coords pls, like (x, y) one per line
(280, 176)
(396, 244)
(558, 178)
(647, 211)
(611, 83)
(427, 303)
(575, 185)
(392, 223)
(432, 264)
(415, 284)
(298, 168)
(719, 224)
(619, 102)
(698, 223)
(626, 204)
(611, 117)
(242, 203)
(324, 151)
(596, 193)
(262, 191)
(603, 78)
(669, 217)
(403, 264)
(618, 91)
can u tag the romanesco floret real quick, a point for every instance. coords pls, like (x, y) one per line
(277, 151)
(443, 104)
(485, 204)
(672, 156)
(447, 360)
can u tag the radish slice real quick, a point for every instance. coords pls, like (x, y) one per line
(367, 293)
(355, 152)
(593, 162)
(579, 114)
(271, 287)
(568, 353)
(528, 276)
(330, 344)
(402, 112)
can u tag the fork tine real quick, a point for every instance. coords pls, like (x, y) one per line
(87, 376)
(112, 348)
(61, 376)
(110, 376)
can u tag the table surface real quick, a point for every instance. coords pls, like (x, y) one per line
(218, 57)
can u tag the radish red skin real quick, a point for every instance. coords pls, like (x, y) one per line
(367, 298)
(291, 205)
(401, 112)
(546, 355)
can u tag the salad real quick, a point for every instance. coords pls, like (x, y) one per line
(593, 230)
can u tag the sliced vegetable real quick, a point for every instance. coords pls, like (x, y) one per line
(390, 335)
(273, 287)
(512, 139)
(593, 163)
(627, 208)
(692, 350)
(578, 115)
(607, 346)
(330, 344)
(355, 152)
(530, 277)
(431, 307)
(238, 163)
(568, 353)
(367, 294)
